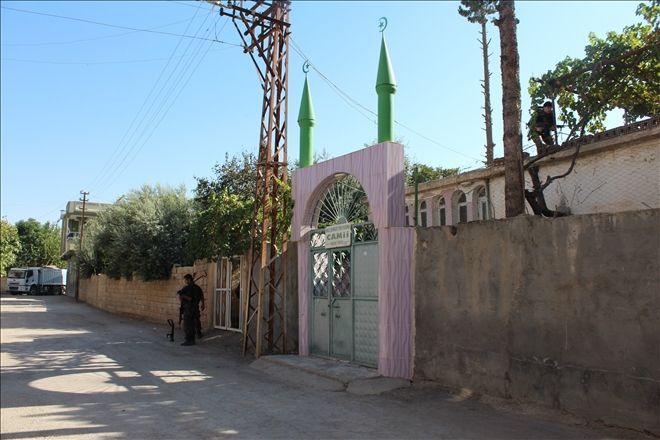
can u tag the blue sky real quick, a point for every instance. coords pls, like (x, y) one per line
(86, 106)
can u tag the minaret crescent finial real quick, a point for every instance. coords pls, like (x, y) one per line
(305, 67)
(382, 24)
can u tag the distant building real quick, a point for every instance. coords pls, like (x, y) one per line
(71, 222)
(617, 170)
(71, 226)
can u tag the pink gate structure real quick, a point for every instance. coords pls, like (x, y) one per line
(380, 171)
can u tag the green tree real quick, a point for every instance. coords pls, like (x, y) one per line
(507, 23)
(224, 206)
(146, 233)
(10, 245)
(476, 11)
(617, 72)
(40, 243)
(426, 173)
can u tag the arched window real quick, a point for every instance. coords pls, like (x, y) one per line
(482, 204)
(461, 207)
(407, 216)
(422, 214)
(442, 212)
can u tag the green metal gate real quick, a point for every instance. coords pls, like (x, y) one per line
(344, 295)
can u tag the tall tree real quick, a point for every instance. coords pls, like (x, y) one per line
(620, 71)
(477, 11)
(146, 233)
(514, 199)
(223, 208)
(39, 243)
(10, 245)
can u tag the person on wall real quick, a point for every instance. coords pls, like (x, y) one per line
(541, 124)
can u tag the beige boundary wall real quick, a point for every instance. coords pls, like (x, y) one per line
(153, 301)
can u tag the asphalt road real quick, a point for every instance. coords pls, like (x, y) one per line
(69, 371)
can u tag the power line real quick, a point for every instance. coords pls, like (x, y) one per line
(118, 169)
(355, 104)
(82, 40)
(122, 146)
(94, 63)
(171, 34)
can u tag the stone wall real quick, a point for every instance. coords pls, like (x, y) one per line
(153, 301)
(560, 311)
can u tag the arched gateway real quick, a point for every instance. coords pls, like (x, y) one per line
(353, 259)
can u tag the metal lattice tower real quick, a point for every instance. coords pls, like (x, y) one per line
(264, 30)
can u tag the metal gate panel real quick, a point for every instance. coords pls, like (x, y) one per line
(365, 277)
(342, 328)
(366, 332)
(320, 341)
(344, 297)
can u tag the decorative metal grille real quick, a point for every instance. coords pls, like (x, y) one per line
(341, 273)
(320, 281)
(365, 232)
(317, 239)
(343, 202)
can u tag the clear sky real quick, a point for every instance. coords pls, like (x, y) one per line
(107, 109)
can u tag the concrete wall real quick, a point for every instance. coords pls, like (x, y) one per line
(153, 301)
(560, 311)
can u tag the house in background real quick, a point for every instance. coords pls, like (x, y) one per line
(71, 226)
(616, 170)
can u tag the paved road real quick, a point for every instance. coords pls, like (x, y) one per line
(73, 372)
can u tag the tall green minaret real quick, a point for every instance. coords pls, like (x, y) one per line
(306, 122)
(385, 88)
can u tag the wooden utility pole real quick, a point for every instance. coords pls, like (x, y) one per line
(514, 197)
(264, 30)
(80, 245)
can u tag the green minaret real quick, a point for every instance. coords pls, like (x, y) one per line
(385, 88)
(306, 122)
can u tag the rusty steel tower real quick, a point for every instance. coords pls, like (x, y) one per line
(264, 30)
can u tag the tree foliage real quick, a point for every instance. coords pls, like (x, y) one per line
(40, 244)
(477, 11)
(145, 233)
(425, 173)
(224, 206)
(10, 245)
(617, 72)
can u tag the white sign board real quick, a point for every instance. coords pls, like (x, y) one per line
(338, 235)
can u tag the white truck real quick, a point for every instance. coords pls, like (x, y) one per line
(36, 280)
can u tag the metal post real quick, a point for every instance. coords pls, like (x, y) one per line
(416, 179)
(80, 246)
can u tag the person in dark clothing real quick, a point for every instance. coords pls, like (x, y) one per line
(540, 126)
(190, 296)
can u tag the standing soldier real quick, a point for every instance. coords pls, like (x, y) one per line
(540, 126)
(191, 295)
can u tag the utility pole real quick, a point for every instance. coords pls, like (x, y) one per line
(80, 246)
(264, 30)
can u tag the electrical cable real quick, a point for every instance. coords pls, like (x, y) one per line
(122, 146)
(171, 34)
(335, 87)
(96, 63)
(82, 40)
(118, 171)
